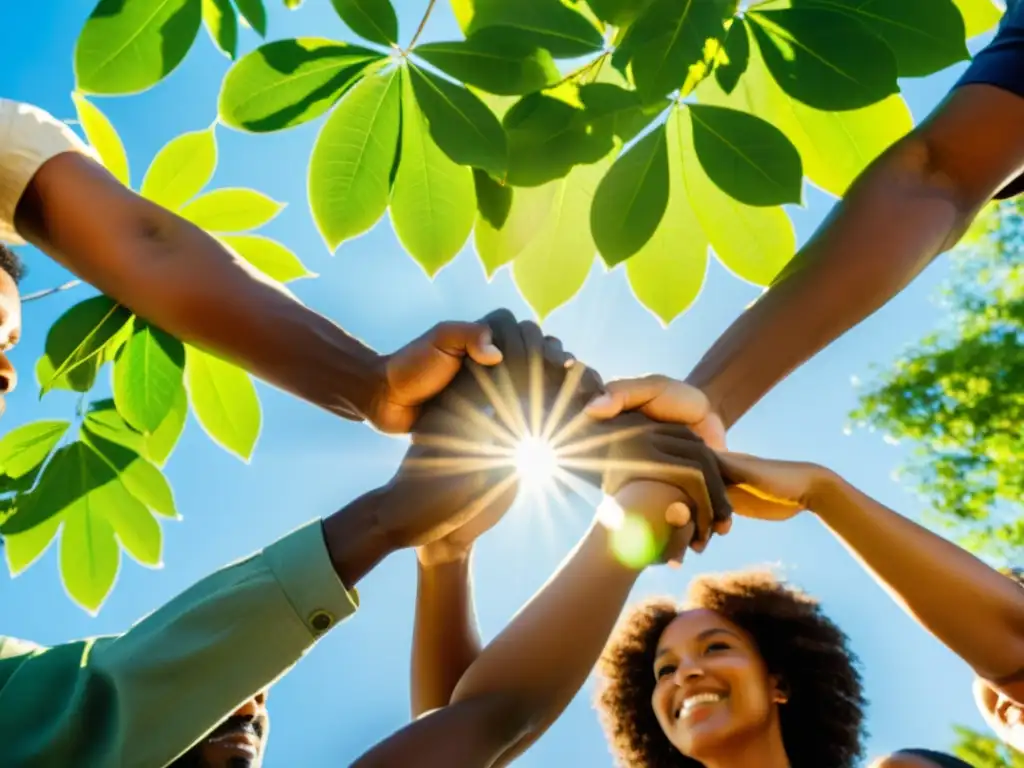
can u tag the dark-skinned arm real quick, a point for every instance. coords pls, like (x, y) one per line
(911, 204)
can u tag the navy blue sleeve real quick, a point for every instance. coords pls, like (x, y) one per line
(1001, 63)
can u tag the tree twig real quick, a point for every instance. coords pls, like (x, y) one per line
(49, 291)
(423, 23)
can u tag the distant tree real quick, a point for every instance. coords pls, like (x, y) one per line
(983, 751)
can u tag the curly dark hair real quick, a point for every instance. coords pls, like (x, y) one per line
(823, 721)
(11, 264)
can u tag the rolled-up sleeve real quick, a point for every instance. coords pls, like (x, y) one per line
(141, 699)
(29, 136)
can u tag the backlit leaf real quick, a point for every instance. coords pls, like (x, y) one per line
(493, 60)
(158, 445)
(147, 376)
(548, 24)
(255, 15)
(127, 46)
(222, 24)
(224, 401)
(735, 56)
(231, 210)
(181, 169)
(103, 138)
(289, 82)
(352, 158)
(142, 480)
(76, 341)
(979, 15)
(497, 246)
(374, 20)
(493, 200)
(268, 256)
(23, 549)
(89, 555)
(26, 447)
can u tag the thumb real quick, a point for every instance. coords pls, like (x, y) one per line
(472, 339)
(677, 544)
(625, 395)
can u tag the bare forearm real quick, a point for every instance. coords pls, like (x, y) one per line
(896, 218)
(974, 610)
(445, 639)
(183, 280)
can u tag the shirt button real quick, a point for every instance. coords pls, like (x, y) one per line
(321, 621)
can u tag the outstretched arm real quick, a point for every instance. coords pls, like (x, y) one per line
(911, 204)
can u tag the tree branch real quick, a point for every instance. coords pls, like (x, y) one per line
(49, 291)
(423, 23)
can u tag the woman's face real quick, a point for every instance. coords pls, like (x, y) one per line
(712, 684)
(1004, 715)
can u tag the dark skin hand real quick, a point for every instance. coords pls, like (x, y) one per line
(182, 280)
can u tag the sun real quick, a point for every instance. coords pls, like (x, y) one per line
(536, 461)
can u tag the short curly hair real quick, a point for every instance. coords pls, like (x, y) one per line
(11, 264)
(823, 722)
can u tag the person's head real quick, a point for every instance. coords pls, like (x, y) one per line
(1004, 715)
(238, 742)
(11, 270)
(919, 758)
(744, 661)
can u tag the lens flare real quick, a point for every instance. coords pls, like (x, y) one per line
(536, 461)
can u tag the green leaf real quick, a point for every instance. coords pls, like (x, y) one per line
(835, 146)
(157, 447)
(631, 199)
(102, 136)
(554, 265)
(667, 274)
(548, 24)
(498, 245)
(147, 375)
(611, 109)
(76, 341)
(222, 25)
(231, 210)
(127, 46)
(25, 448)
(747, 157)
(255, 15)
(925, 35)
(23, 549)
(493, 200)
(671, 38)
(460, 124)
(618, 13)
(289, 82)
(494, 61)
(736, 52)
(754, 243)
(103, 420)
(979, 16)
(352, 159)
(268, 256)
(89, 555)
(224, 401)
(142, 480)
(181, 169)
(826, 59)
(432, 201)
(374, 20)
(138, 532)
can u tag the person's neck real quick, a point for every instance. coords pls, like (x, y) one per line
(762, 751)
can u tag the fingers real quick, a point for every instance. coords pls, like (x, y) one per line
(625, 395)
(506, 335)
(721, 508)
(678, 541)
(461, 339)
(555, 354)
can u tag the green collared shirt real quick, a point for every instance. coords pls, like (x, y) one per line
(142, 699)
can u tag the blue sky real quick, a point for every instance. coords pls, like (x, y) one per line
(353, 688)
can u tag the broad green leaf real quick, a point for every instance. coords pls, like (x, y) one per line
(138, 531)
(224, 401)
(826, 59)
(127, 46)
(618, 13)
(493, 60)
(631, 199)
(432, 201)
(374, 20)
(925, 35)
(102, 136)
(103, 420)
(147, 376)
(23, 549)
(289, 82)
(222, 25)
(181, 169)
(493, 200)
(835, 146)
(25, 448)
(610, 108)
(979, 15)
(548, 24)
(89, 555)
(231, 210)
(255, 15)
(268, 256)
(497, 246)
(734, 57)
(671, 38)
(157, 447)
(460, 124)
(76, 341)
(754, 243)
(141, 479)
(667, 274)
(352, 159)
(747, 157)
(553, 267)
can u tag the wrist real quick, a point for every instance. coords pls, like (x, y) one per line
(367, 382)
(824, 488)
(356, 541)
(440, 554)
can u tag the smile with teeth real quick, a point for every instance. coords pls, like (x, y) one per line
(698, 699)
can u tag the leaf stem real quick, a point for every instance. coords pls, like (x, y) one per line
(49, 291)
(419, 29)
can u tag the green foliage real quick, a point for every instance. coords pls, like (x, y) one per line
(957, 396)
(983, 751)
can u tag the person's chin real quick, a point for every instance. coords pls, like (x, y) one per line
(232, 753)
(703, 732)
